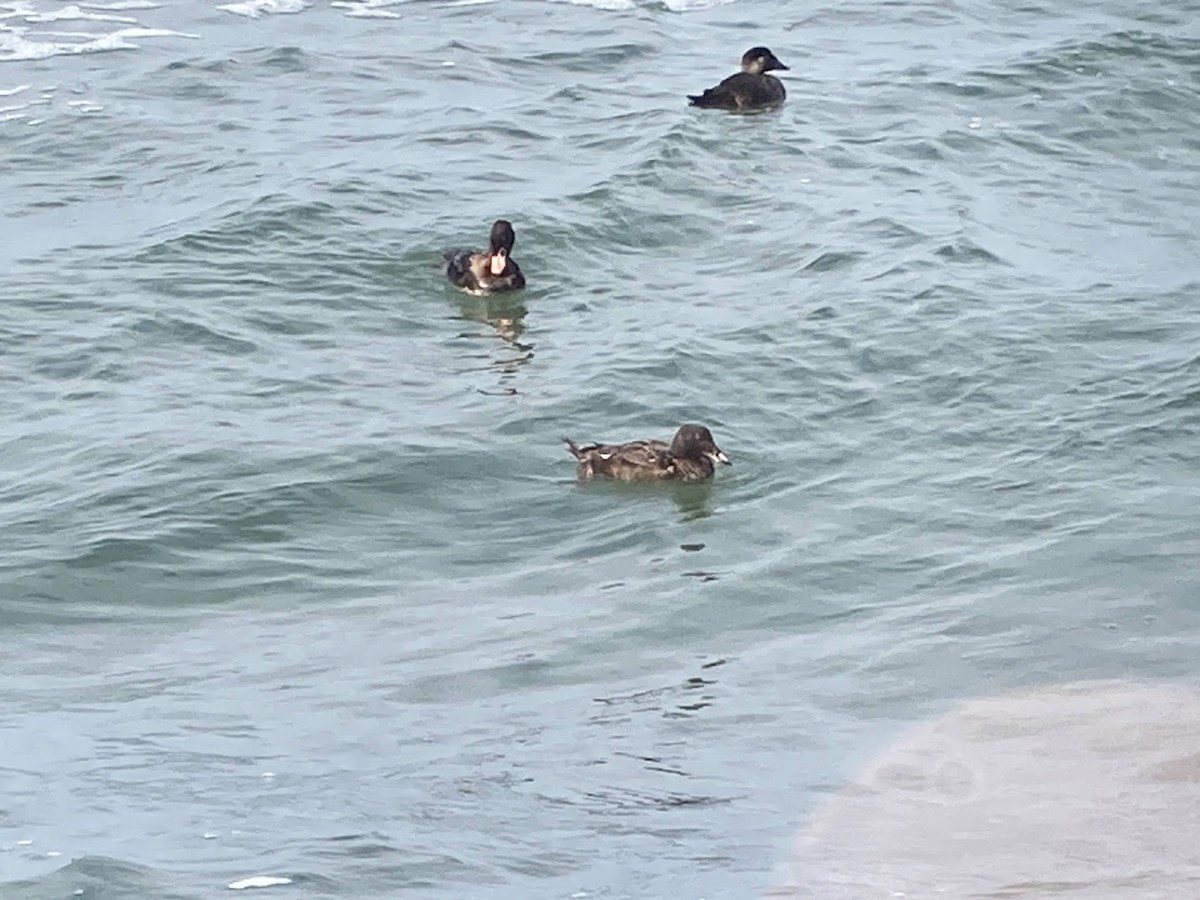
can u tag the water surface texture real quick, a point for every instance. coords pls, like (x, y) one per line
(296, 580)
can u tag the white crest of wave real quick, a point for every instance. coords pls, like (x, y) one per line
(123, 4)
(690, 5)
(75, 14)
(671, 5)
(254, 8)
(15, 46)
(367, 9)
(378, 9)
(258, 881)
(601, 4)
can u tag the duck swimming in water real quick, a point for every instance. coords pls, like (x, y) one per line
(750, 88)
(689, 457)
(490, 271)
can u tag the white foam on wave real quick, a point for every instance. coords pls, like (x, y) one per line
(13, 10)
(689, 5)
(124, 4)
(74, 14)
(601, 4)
(366, 9)
(671, 5)
(378, 9)
(258, 881)
(252, 9)
(15, 46)
(17, 90)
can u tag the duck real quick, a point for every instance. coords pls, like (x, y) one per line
(750, 88)
(689, 457)
(488, 271)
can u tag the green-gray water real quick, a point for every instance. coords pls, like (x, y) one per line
(296, 579)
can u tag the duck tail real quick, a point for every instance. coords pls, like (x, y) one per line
(572, 448)
(704, 99)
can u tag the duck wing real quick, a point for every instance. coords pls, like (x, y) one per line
(459, 268)
(512, 277)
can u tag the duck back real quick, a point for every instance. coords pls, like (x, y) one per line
(633, 461)
(741, 92)
(636, 461)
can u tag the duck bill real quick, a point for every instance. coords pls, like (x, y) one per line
(718, 456)
(777, 65)
(499, 261)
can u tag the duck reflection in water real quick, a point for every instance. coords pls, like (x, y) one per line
(692, 498)
(506, 315)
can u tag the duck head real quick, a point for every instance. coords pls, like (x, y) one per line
(500, 244)
(757, 60)
(695, 442)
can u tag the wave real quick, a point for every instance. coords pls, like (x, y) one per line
(367, 9)
(100, 875)
(252, 9)
(125, 4)
(74, 14)
(21, 38)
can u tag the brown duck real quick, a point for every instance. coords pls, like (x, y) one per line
(689, 457)
(751, 88)
(490, 271)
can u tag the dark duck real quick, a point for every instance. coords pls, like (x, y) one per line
(751, 88)
(689, 457)
(487, 271)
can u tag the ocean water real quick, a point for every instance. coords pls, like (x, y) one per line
(297, 581)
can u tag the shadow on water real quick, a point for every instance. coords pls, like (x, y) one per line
(506, 315)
